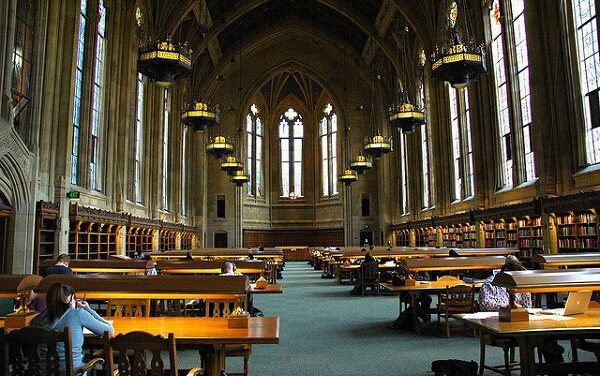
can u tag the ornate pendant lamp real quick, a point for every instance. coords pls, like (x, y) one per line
(361, 164)
(219, 146)
(456, 58)
(403, 114)
(164, 62)
(231, 165)
(239, 178)
(200, 116)
(376, 146)
(348, 177)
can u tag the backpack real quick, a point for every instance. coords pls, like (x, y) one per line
(454, 367)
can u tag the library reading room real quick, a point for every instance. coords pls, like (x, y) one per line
(299, 187)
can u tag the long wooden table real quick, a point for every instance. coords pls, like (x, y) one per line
(107, 266)
(567, 259)
(530, 333)
(201, 332)
(414, 291)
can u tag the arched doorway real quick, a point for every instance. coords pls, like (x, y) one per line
(5, 214)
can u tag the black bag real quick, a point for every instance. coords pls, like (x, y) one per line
(398, 280)
(454, 367)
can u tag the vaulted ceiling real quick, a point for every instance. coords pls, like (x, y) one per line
(217, 30)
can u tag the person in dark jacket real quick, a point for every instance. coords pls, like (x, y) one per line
(61, 266)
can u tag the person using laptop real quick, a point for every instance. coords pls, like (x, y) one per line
(492, 298)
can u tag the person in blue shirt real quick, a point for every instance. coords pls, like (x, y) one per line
(64, 310)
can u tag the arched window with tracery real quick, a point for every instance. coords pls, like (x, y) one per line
(254, 152)
(291, 138)
(588, 56)
(510, 64)
(328, 137)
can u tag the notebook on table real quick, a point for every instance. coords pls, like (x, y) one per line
(577, 303)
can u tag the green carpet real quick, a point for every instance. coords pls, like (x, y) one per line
(326, 331)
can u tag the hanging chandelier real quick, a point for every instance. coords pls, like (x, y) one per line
(377, 146)
(239, 178)
(219, 147)
(164, 62)
(200, 116)
(361, 164)
(456, 58)
(231, 165)
(348, 177)
(403, 114)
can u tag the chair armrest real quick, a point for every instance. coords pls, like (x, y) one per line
(88, 366)
(195, 372)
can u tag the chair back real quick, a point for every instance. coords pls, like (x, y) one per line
(130, 352)
(369, 271)
(128, 308)
(459, 297)
(222, 307)
(448, 278)
(28, 356)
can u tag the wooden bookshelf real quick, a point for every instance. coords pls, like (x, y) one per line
(495, 233)
(187, 239)
(469, 235)
(139, 239)
(46, 227)
(530, 238)
(403, 238)
(577, 231)
(167, 240)
(92, 240)
(452, 236)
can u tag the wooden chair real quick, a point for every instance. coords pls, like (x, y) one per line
(128, 308)
(369, 276)
(507, 345)
(26, 356)
(591, 345)
(132, 349)
(223, 308)
(456, 299)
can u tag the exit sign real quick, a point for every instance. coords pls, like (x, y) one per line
(73, 195)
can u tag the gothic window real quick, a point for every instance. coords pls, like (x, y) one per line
(139, 140)
(183, 191)
(91, 32)
(584, 13)
(165, 151)
(425, 153)
(254, 151)
(462, 148)
(328, 137)
(404, 175)
(22, 64)
(510, 64)
(97, 131)
(291, 134)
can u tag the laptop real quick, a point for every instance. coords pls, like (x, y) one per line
(577, 303)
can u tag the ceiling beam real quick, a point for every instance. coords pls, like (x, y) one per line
(340, 6)
(384, 19)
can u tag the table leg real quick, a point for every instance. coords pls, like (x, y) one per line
(526, 357)
(415, 312)
(215, 360)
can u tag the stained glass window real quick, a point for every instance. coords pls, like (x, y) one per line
(77, 97)
(425, 150)
(165, 150)
(184, 171)
(97, 131)
(404, 175)
(328, 135)
(254, 151)
(589, 73)
(139, 139)
(462, 147)
(291, 135)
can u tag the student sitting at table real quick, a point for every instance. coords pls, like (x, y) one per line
(64, 310)
(228, 268)
(492, 298)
